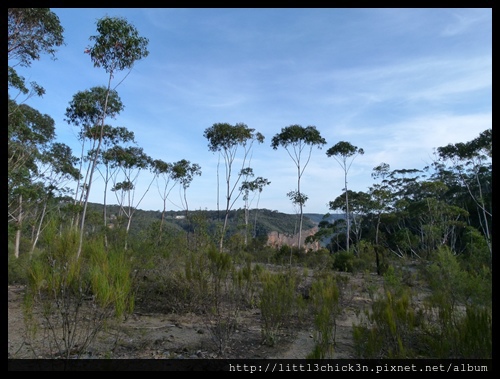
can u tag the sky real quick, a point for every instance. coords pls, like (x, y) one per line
(396, 82)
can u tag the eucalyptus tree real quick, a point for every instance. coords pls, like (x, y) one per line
(298, 199)
(226, 139)
(162, 172)
(29, 135)
(403, 187)
(341, 152)
(112, 136)
(56, 169)
(381, 197)
(246, 188)
(86, 110)
(256, 185)
(170, 174)
(130, 161)
(295, 139)
(183, 172)
(436, 220)
(116, 47)
(31, 32)
(472, 166)
(360, 205)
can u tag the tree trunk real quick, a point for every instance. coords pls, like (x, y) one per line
(18, 231)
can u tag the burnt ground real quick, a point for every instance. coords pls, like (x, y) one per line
(165, 336)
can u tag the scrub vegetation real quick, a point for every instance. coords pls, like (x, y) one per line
(420, 239)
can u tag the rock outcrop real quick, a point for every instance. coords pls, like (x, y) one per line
(277, 239)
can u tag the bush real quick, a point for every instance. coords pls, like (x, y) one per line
(390, 329)
(459, 316)
(75, 297)
(278, 303)
(343, 261)
(318, 259)
(16, 269)
(325, 303)
(468, 336)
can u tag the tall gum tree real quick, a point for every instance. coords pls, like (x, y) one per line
(248, 187)
(226, 139)
(183, 172)
(359, 205)
(255, 186)
(295, 139)
(258, 185)
(86, 110)
(341, 152)
(130, 161)
(380, 203)
(112, 136)
(162, 172)
(31, 32)
(117, 47)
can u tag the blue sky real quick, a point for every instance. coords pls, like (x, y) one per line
(396, 82)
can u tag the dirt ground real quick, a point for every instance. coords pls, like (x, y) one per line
(167, 336)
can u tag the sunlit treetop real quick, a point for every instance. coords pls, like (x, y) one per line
(117, 46)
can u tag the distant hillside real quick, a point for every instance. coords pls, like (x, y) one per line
(318, 217)
(278, 228)
(265, 220)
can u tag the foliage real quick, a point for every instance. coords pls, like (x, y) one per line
(459, 310)
(453, 323)
(294, 139)
(223, 302)
(88, 107)
(117, 46)
(205, 221)
(468, 337)
(225, 139)
(325, 296)
(30, 134)
(341, 151)
(278, 303)
(31, 32)
(17, 267)
(392, 328)
(442, 223)
(76, 298)
(344, 261)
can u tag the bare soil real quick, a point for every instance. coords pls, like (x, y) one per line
(164, 336)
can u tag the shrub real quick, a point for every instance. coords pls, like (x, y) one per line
(325, 303)
(343, 261)
(75, 297)
(459, 318)
(278, 303)
(391, 328)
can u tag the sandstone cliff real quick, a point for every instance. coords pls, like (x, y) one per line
(277, 239)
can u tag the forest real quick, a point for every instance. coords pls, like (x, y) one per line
(81, 263)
